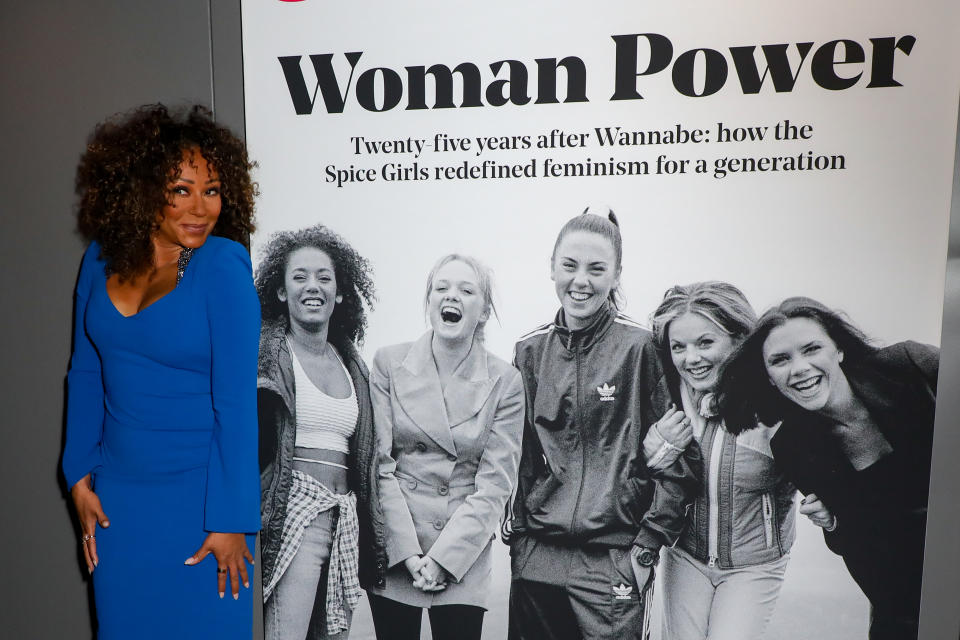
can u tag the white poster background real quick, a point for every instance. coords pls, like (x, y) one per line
(870, 239)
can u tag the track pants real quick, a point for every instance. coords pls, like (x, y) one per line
(575, 593)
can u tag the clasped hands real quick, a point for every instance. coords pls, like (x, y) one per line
(426, 573)
(229, 549)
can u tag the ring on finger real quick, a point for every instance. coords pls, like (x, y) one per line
(221, 570)
(86, 537)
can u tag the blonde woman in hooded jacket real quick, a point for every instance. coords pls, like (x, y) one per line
(723, 577)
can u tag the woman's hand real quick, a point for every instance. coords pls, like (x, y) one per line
(230, 551)
(90, 513)
(425, 581)
(813, 508)
(435, 577)
(413, 564)
(675, 428)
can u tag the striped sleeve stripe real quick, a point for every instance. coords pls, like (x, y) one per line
(542, 329)
(630, 322)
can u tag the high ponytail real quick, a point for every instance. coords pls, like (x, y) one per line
(608, 227)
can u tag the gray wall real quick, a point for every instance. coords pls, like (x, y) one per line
(63, 67)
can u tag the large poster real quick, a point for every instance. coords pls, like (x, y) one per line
(787, 150)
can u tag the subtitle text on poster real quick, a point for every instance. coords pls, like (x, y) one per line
(603, 151)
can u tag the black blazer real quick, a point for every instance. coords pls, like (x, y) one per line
(880, 539)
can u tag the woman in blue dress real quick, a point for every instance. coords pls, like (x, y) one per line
(161, 445)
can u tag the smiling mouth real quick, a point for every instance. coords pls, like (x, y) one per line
(195, 228)
(450, 315)
(808, 386)
(699, 372)
(313, 303)
(580, 296)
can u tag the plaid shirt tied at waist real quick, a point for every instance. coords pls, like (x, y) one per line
(308, 499)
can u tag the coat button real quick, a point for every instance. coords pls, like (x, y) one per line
(421, 447)
(381, 583)
(442, 490)
(379, 564)
(452, 458)
(438, 524)
(411, 484)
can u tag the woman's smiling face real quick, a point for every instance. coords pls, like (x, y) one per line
(193, 205)
(309, 287)
(456, 304)
(803, 363)
(698, 348)
(584, 271)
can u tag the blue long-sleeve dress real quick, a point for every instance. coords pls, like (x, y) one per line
(162, 411)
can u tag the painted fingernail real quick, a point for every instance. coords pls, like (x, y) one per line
(246, 584)
(236, 596)
(221, 594)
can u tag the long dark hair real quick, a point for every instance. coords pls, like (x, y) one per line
(744, 391)
(348, 323)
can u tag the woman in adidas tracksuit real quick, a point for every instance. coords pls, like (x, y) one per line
(722, 579)
(589, 517)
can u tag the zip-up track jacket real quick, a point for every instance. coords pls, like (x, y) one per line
(592, 394)
(745, 513)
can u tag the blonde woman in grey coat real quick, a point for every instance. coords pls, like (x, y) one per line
(449, 418)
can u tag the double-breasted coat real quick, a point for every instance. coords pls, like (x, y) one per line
(447, 464)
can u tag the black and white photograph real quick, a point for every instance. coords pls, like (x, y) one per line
(717, 259)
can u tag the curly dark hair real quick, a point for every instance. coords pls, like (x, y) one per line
(348, 323)
(124, 175)
(744, 390)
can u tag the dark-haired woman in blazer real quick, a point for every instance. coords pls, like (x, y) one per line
(855, 438)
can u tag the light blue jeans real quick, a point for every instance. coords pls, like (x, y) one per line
(287, 612)
(704, 603)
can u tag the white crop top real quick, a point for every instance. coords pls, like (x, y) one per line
(323, 422)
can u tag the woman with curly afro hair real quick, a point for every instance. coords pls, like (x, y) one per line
(320, 507)
(161, 443)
